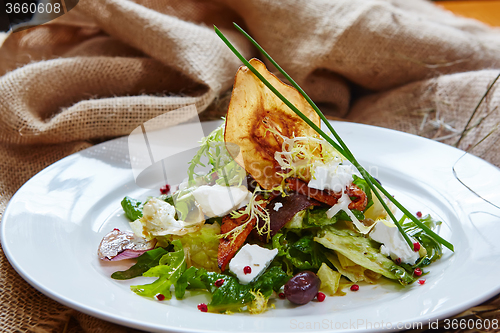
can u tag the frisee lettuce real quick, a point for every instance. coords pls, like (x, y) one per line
(214, 151)
(298, 154)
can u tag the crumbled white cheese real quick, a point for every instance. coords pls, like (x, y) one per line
(159, 220)
(343, 204)
(277, 206)
(257, 257)
(393, 243)
(218, 200)
(334, 177)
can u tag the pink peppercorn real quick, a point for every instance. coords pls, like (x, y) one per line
(416, 246)
(354, 287)
(320, 297)
(247, 269)
(219, 282)
(160, 297)
(417, 271)
(165, 189)
(203, 307)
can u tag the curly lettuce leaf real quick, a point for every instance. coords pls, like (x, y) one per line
(214, 152)
(132, 208)
(201, 247)
(433, 248)
(171, 267)
(171, 271)
(316, 217)
(145, 261)
(190, 278)
(298, 252)
(363, 252)
(231, 295)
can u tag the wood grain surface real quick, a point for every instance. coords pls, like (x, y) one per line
(487, 11)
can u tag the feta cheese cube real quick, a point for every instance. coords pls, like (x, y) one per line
(334, 177)
(257, 257)
(393, 243)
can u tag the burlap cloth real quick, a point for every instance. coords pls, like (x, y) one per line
(107, 66)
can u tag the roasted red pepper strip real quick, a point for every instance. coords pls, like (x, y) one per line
(228, 247)
(360, 200)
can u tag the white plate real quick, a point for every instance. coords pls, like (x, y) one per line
(53, 225)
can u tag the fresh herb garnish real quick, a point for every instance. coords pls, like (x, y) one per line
(340, 146)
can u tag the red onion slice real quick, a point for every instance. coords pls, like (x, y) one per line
(120, 245)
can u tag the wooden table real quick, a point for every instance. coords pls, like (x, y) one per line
(487, 11)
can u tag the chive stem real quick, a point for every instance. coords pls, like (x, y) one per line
(340, 146)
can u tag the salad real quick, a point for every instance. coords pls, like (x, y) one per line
(269, 210)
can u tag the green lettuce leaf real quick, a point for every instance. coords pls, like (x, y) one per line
(298, 252)
(171, 267)
(147, 260)
(342, 216)
(201, 246)
(190, 278)
(167, 198)
(363, 252)
(231, 295)
(132, 208)
(433, 247)
(316, 217)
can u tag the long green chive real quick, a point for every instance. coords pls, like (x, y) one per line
(342, 148)
(347, 153)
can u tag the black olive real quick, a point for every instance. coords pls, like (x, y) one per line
(302, 288)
